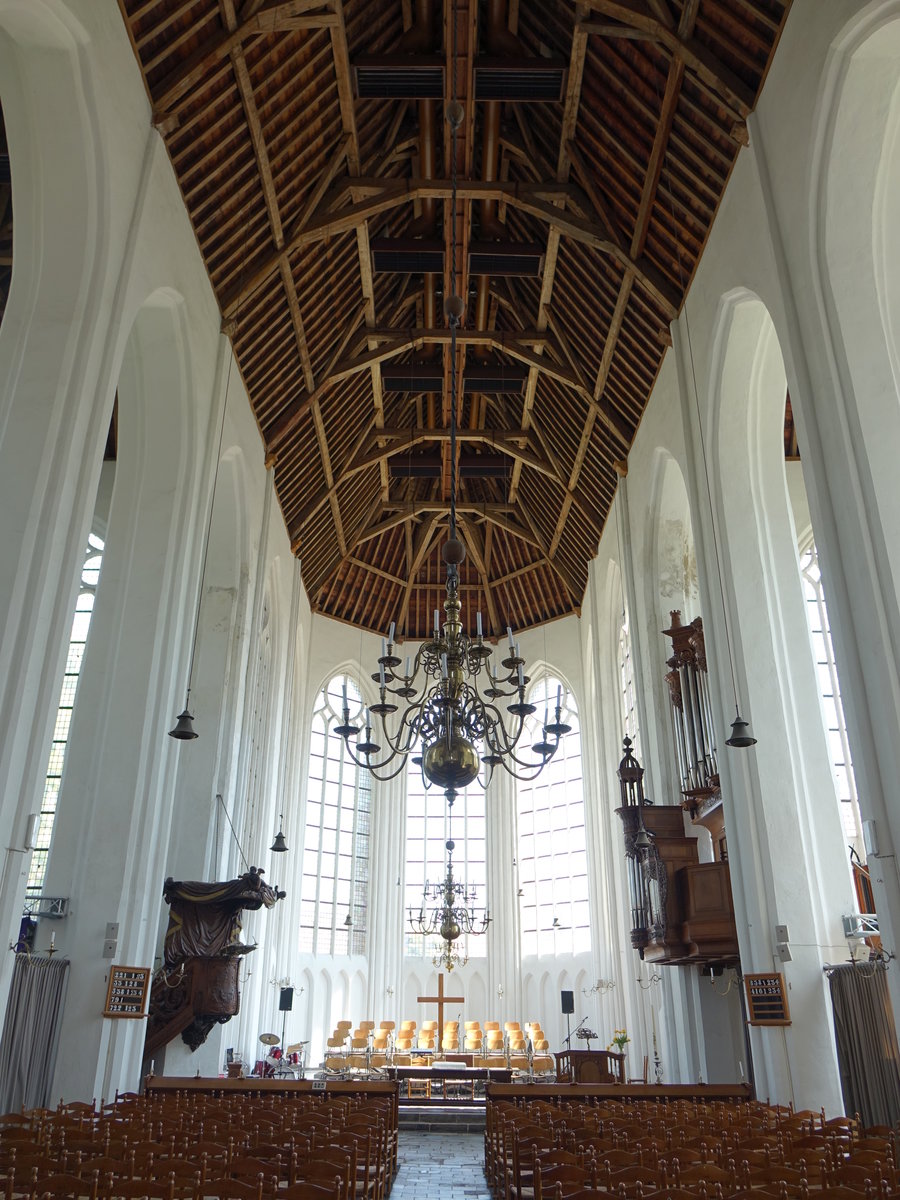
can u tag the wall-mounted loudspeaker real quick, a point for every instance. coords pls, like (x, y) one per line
(286, 1000)
(568, 1001)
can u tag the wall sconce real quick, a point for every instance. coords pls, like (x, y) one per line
(654, 978)
(499, 991)
(601, 986)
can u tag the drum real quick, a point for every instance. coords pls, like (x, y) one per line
(294, 1059)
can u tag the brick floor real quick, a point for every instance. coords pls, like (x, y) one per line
(440, 1166)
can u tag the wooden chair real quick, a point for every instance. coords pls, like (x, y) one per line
(231, 1189)
(642, 1078)
(62, 1185)
(312, 1190)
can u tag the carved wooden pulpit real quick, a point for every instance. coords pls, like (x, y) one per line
(197, 986)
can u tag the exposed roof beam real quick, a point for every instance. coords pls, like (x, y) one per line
(286, 16)
(698, 59)
(531, 198)
(402, 440)
(516, 347)
(416, 555)
(472, 537)
(571, 585)
(406, 511)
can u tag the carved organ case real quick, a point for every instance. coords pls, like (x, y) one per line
(681, 909)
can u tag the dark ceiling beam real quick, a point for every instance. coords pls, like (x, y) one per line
(517, 347)
(402, 440)
(532, 198)
(416, 554)
(499, 513)
(698, 59)
(571, 105)
(471, 535)
(286, 16)
(570, 584)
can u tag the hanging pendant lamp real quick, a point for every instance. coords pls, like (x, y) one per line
(741, 736)
(279, 846)
(184, 729)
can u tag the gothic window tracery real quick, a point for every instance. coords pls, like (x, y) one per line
(336, 842)
(552, 855)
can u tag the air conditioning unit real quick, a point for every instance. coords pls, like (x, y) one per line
(860, 925)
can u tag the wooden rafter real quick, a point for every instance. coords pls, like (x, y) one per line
(275, 153)
(287, 16)
(382, 196)
(699, 60)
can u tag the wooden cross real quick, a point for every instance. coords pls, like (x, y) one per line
(440, 1000)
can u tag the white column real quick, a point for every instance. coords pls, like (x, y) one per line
(387, 916)
(504, 961)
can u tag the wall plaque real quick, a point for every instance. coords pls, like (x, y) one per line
(126, 992)
(767, 1000)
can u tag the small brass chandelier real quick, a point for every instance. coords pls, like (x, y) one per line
(451, 689)
(455, 915)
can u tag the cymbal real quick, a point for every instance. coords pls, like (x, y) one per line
(295, 1048)
(269, 1039)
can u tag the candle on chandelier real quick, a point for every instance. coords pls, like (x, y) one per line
(344, 692)
(408, 667)
(391, 631)
(478, 624)
(381, 674)
(368, 720)
(521, 673)
(558, 697)
(383, 648)
(510, 636)
(437, 621)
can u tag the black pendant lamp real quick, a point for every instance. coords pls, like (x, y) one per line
(279, 846)
(184, 729)
(184, 723)
(741, 736)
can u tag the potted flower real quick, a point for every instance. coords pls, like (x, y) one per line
(620, 1040)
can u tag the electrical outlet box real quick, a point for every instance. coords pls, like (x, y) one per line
(109, 948)
(782, 933)
(112, 930)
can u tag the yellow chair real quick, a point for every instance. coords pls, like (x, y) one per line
(356, 1059)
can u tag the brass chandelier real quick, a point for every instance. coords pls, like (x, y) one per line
(451, 692)
(452, 917)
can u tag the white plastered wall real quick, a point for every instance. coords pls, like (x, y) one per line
(106, 266)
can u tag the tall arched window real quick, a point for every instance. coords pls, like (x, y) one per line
(84, 607)
(630, 726)
(429, 825)
(336, 843)
(552, 857)
(830, 691)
